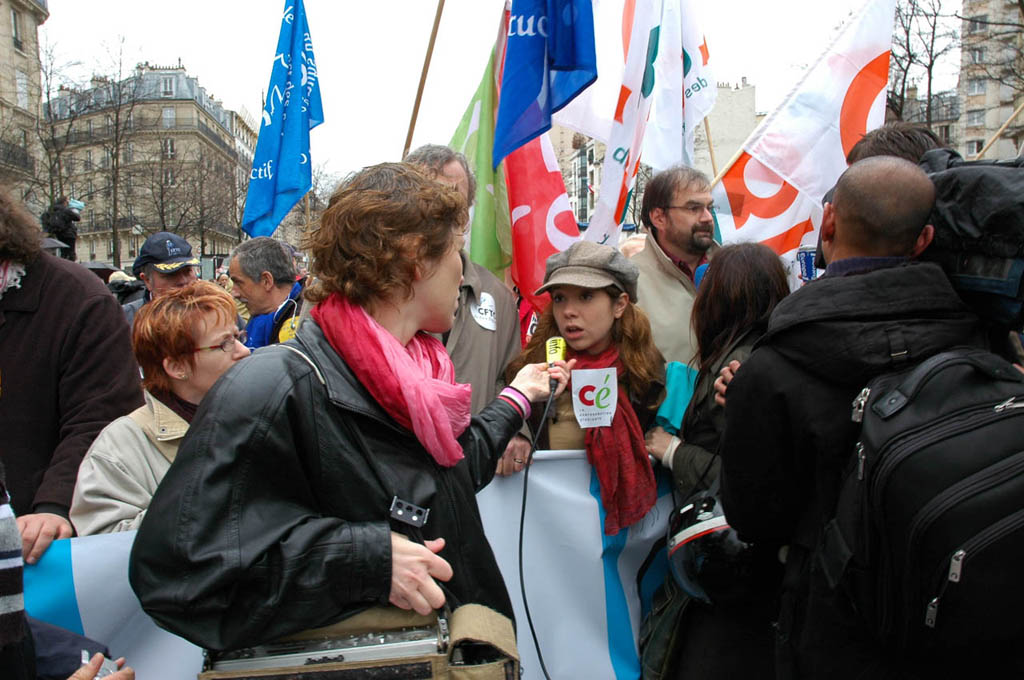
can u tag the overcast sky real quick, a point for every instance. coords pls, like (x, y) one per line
(369, 55)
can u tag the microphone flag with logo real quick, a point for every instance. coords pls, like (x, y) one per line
(281, 167)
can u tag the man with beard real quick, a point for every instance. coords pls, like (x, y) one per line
(677, 212)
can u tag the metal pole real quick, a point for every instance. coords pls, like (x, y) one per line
(996, 135)
(423, 78)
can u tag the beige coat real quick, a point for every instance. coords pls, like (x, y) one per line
(666, 295)
(123, 467)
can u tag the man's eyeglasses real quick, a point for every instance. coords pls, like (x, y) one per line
(228, 345)
(694, 208)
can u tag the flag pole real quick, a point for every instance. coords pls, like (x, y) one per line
(1000, 131)
(711, 147)
(725, 169)
(423, 78)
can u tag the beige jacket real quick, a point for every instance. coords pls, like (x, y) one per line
(485, 336)
(666, 295)
(123, 467)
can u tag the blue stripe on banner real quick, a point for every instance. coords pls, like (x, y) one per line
(50, 588)
(657, 572)
(621, 647)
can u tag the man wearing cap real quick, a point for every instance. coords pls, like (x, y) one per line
(165, 262)
(677, 212)
(262, 272)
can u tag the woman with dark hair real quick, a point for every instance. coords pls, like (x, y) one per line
(338, 470)
(742, 285)
(183, 341)
(593, 306)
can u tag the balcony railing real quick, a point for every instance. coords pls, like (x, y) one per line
(101, 133)
(16, 156)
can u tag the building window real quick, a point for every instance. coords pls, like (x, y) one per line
(129, 122)
(16, 30)
(127, 153)
(92, 217)
(87, 165)
(169, 177)
(976, 118)
(974, 147)
(110, 124)
(92, 249)
(976, 86)
(110, 247)
(943, 132)
(167, 86)
(91, 188)
(168, 117)
(88, 127)
(106, 159)
(21, 87)
(167, 146)
(976, 55)
(977, 24)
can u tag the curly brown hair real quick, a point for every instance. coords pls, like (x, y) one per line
(20, 234)
(631, 334)
(380, 225)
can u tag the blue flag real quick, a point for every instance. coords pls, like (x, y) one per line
(281, 168)
(550, 59)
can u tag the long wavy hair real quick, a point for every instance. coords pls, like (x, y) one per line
(742, 285)
(631, 333)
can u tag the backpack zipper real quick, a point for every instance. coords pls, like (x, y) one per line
(1009, 403)
(951, 497)
(859, 404)
(971, 547)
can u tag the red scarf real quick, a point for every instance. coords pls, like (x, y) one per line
(415, 384)
(618, 454)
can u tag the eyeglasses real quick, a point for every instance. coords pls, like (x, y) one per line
(228, 345)
(691, 208)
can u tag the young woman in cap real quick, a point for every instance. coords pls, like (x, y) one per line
(184, 341)
(593, 296)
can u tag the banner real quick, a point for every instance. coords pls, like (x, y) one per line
(281, 167)
(549, 60)
(685, 88)
(772, 192)
(581, 584)
(82, 584)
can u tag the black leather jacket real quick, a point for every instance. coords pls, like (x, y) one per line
(275, 515)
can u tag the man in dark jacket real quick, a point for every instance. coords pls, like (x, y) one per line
(66, 371)
(788, 429)
(165, 262)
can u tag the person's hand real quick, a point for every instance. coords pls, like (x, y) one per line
(1019, 367)
(533, 380)
(515, 457)
(658, 442)
(413, 570)
(38, 531)
(89, 671)
(725, 376)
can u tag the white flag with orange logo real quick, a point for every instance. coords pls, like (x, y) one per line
(772, 193)
(685, 88)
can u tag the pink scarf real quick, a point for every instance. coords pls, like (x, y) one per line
(415, 384)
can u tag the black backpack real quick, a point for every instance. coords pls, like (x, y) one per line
(927, 540)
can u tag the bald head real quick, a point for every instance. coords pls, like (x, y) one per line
(881, 205)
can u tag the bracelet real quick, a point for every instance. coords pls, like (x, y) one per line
(519, 398)
(518, 391)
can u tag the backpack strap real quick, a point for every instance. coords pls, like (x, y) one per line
(990, 364)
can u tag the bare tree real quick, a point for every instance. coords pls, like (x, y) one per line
(997, 43)
(925, 37)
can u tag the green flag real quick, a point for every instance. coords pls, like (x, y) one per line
(490, 236)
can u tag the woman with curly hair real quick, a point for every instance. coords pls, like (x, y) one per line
(593, 296)
(338, 470)
(183, 341)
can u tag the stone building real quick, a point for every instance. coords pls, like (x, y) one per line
(152, 151)
(19, 97)
(991, 85)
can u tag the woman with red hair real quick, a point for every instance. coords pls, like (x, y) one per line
(184, 341)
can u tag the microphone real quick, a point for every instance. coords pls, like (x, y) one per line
(554, 349)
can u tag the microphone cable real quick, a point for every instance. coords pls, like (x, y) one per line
(522, 524)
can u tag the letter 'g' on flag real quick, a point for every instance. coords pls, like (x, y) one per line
(281, 167)
(549, 60)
